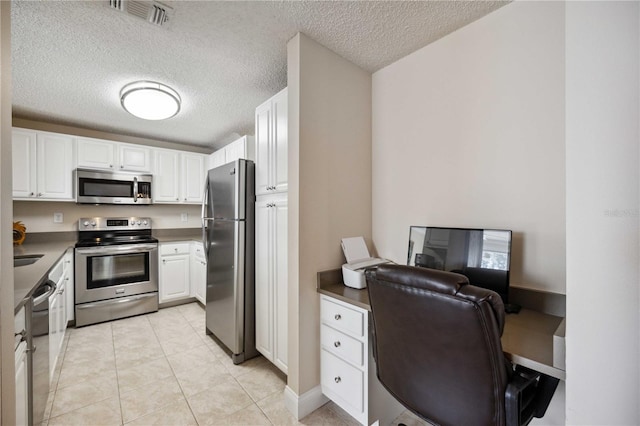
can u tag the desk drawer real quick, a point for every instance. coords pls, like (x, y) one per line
(342, 318)
(341, 345)
(342, 380)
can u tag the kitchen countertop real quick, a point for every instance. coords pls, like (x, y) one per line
(27, 278)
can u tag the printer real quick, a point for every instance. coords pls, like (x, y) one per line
(358, 259)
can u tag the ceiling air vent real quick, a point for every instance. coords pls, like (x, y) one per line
(151, 11)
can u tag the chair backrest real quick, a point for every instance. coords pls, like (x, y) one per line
(437, 344)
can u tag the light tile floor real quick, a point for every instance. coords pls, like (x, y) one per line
(162, 369)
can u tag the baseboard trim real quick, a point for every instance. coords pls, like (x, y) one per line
(305, 404)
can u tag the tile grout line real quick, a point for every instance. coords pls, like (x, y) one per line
(115, 366)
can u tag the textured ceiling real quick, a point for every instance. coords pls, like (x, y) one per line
(71, 58)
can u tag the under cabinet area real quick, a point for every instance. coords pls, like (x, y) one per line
(347, 368)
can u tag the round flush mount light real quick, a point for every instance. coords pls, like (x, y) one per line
(150, 100)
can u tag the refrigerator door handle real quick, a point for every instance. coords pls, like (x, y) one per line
(205, 241)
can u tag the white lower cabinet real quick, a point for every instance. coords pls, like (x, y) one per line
(57, 315)
(69, 279)
(22, 378)
(271, 279)
(198, 273)
(174, 271)
(347, 368)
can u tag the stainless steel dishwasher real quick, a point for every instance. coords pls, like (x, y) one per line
(38, 360)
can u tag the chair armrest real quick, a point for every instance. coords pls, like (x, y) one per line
(518, 396)
(528, 395)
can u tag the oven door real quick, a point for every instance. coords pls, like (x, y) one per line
(115, 271)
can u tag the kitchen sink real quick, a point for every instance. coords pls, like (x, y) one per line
(26, 259)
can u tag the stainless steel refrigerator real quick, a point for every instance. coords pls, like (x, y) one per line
(228, 233)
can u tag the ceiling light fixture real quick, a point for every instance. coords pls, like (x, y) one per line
(150, 100)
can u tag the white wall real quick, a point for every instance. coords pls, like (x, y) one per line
(469, 132)
(603, 97)
(37, 216)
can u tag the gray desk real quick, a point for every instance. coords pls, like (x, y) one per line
(528, 337)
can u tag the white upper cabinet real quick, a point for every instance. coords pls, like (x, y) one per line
(24, 170)
(166, 187)
(43, 165)
(178, 177)
(193, 178)
(108, 155)
(218, 158)
(244, 147)
(271, 145)
(134, 158)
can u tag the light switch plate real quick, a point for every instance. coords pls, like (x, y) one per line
(58, 218)
(184, 217)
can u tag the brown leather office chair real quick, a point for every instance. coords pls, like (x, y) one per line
(438, 351)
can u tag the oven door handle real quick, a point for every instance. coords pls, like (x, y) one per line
(117, 249)
(120, 300)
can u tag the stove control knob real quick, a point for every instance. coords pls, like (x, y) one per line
(85, 223)
(133, 222)
(93, 223)
(145, 223)
(138, 223)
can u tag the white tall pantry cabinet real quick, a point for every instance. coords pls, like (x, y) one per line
(271, 230)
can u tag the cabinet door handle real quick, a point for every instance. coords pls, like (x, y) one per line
(39, 194)
(337, 379)
(31, 194)
(336, 343)
(338, 317)
(164, 260)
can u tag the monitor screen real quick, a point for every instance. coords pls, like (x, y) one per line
(483, 255)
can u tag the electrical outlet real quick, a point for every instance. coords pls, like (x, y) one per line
(58, 218)
(184, 217)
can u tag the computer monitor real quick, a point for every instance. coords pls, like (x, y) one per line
(482, 255)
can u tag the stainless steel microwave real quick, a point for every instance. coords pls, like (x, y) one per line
(104, 187)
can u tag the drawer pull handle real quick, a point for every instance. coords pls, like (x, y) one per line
(336, 344)
(337, 379)
(337, 317)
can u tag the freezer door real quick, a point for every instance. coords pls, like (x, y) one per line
(226, 198)
(225, 283)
